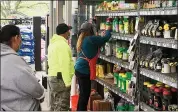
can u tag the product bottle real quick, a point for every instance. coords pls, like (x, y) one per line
(166, 100)
(124, 77)
(158, 99)
(116, 78)
(151, 96)
(116, 24)
(121, 26)
(126, 25)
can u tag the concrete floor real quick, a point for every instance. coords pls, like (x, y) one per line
(44, 105)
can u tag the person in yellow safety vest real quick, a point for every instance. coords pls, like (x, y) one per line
(61, 68)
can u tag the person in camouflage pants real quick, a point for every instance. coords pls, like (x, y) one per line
(60, 95)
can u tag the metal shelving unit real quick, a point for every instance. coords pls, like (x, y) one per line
(170, 79)
(122, 37)
(106, 83)
(143, 12)
(162, 42)
(115, 60)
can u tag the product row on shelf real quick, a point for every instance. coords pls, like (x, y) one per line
(27, 46)
(155, 28)
(108, 103)
(123, 78)
(114, 5)
(159, 96)
(156, 95)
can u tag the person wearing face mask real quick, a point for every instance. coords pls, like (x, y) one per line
(20, 89)
(88, 48)
(61, 69)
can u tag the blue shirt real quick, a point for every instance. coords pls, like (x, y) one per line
(90, 47)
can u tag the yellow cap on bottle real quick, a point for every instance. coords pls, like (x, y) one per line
(146, 83)
(149, 85)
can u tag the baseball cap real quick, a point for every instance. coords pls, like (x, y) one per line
(62, 28)
(87, 27)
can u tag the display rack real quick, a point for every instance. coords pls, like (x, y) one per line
(108, 83)
(162, 42)
(143, 12)
(169, 79)
(114, 60)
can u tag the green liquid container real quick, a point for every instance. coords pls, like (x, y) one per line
(128, 80)
(116, 76)
(124, 78)
(120, 80)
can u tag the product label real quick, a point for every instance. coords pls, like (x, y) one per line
(156, 104)
(119, 83)
(115, 82)
(159, 67)
(158, 33)
(164, 107)
(150, 101)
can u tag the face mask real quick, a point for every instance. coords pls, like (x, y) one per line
(19, 46)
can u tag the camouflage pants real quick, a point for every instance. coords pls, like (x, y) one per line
(60, 95)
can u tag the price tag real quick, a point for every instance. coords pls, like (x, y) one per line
(152, 77)
(174, 11)
(162, 12)
(159, 44)
(164, 81)
(147, 75)
(165, 45)
(157, 78)
(152, 43)
(174, 85)
(116, 14)
(174, 46)
(168, 12)
(153, 12)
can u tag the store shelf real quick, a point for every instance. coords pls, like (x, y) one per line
(163, 42)
(108, 83)
(115, 60)
(122, 37)
(149, 12)
(145, 107)
(159, 11)
(117, 13)
(169, 79)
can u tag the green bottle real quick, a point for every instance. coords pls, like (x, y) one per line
(121, 26)
(124, 77)
(116, 24)
(120, 80)
(126, 25)
(116, 78)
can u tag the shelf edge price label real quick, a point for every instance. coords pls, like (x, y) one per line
(174, 46)
(162, 12)
(159, 44)
(151, 76)
(164, 81)
(164, 44)
(174, 11)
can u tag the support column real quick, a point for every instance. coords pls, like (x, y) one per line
(60, 12)
(68, 12)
